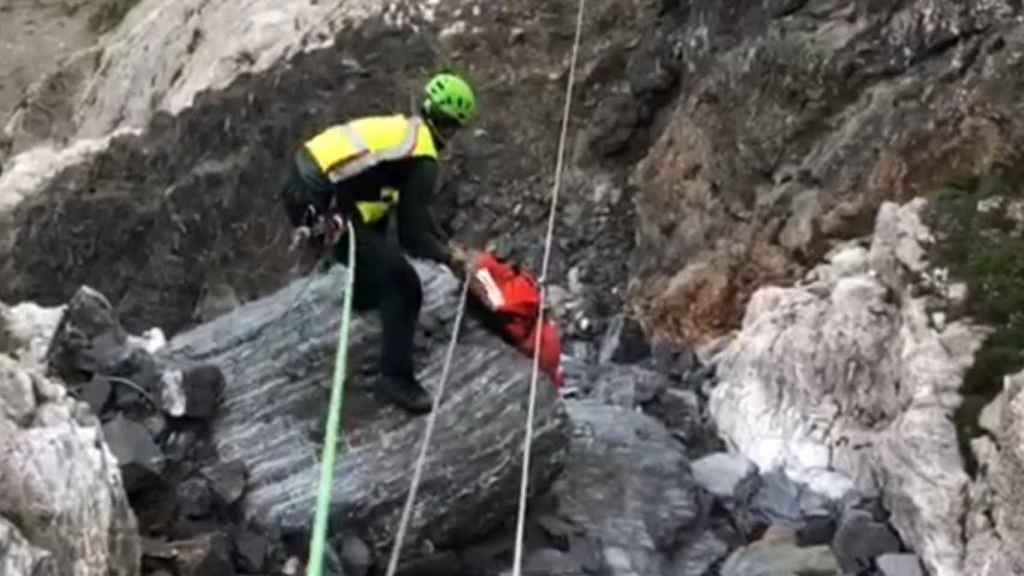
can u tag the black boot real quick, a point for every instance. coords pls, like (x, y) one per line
(405, 393)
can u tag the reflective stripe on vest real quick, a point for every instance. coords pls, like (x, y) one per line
(346, 150)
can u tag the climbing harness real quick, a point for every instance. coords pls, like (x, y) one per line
(316, 549)
(542, 282)
(421, 459)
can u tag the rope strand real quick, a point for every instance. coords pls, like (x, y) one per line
(421, 459)
(316, 553)
(528, 439)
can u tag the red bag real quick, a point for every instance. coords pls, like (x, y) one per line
(515, 298)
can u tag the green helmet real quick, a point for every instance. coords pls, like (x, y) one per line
(450, 96)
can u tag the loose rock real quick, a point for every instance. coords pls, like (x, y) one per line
(860, 539)
(899, 565)
(720, 473)
(140, 459)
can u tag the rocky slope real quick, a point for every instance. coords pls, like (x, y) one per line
(63, 507)
(716, 147)
(852, 378)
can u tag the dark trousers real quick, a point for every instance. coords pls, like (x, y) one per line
(384, 280)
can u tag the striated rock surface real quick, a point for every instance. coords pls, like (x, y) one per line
(847, 374)
(63, 509)
(276, 355)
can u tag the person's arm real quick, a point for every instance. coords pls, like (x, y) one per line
(414, 224)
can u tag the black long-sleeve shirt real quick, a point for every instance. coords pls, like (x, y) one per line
(414, 178)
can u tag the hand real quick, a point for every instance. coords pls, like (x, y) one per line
(301, 234)
(334, 228)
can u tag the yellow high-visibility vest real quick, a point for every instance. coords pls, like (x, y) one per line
(345, 150)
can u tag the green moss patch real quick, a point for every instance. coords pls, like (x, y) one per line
(985, 249)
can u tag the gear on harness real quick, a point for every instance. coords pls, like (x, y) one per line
(329, 228)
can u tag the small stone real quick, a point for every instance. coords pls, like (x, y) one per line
(251, 551)
(192, 393)
(291, 566)
(575, 284)
(771, 558)
(860, 539)
(194, 498)
(207, 555)
(96, 392)
(698, 556)
(17, 392)
(156, 424)
(48, 390)
(816, 531)
(624, 342)
(989, 204)
(356, 557)
(140, 459)
(899, 565)
(939, 321)
(720, 473)
(228, 480)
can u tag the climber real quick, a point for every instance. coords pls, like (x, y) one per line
(361, 171)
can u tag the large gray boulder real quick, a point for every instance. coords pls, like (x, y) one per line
(276, 355)
(848, 376)
(63, 509)
(629, 488)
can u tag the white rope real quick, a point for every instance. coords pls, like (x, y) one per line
(421, 459)
(527, 441)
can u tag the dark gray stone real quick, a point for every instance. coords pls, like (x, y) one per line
(356, 557)
(781, 501)
(140, 459)
(624, 342)
(672, 359)
(441, 564)
(194, 497)
(700, 555)
(251, 551)
(860, 539)
(227, 479)
(89, 338)
(95, 393)
(816, 531)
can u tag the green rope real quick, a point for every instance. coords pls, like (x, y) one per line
(316, 549)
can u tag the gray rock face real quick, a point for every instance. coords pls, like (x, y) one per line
(277, 372)
(627, 484)
(63, 509)
(846, 374)
(995, 526)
